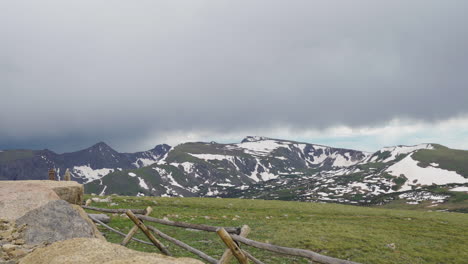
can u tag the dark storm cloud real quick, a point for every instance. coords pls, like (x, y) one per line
(119, 71)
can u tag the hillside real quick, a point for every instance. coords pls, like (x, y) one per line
(424, 176)
(265, 168)
(361, 234)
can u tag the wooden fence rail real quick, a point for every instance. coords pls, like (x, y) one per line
(134, 229)
(117, 231)
(231, 236)
(114, 211)
(184, 246)
(233, 230)
(292, 251)
(148, 234)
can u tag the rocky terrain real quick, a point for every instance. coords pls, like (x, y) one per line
(43, 222)
(88, 250)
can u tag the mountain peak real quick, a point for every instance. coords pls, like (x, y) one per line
(161, 148)
(101, 146)
(253, 139)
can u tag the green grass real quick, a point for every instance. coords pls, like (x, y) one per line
(347, 232)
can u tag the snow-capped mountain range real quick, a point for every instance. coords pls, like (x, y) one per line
(86, 165)
(257, 167)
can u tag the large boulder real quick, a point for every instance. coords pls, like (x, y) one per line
(69, 191)
(48, 209)
(56, 221)
(19, 197)
(94, 251)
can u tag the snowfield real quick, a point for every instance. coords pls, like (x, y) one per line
(399, 150)
(425, 176)
(142, 183)
(459, 189)
(141, 162)
(261, 148)
(89, 174)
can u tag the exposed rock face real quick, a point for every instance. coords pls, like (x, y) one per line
(69, 191)
(86, 250)
(47, 211)
(19, 197)
(55, 221)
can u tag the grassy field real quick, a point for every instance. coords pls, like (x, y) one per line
(359, 234)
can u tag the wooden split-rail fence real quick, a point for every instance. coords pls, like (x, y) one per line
(232, 237)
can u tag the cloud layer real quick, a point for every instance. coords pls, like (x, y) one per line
(73, 73)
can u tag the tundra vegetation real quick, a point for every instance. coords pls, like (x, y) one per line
(361, 234)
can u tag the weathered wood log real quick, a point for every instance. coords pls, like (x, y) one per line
(208, 228)
(252, 258)
(292, 251)
(183, 245)
(114, 211)
(101, 217)
(227, 256)
(236, 251)
(145, 230)
(134, 229)
(118, 232)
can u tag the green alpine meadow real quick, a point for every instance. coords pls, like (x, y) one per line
(360, 234)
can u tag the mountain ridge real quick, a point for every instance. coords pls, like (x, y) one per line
(259, 167)
(266, 168)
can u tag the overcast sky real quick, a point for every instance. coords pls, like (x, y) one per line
(357, 74)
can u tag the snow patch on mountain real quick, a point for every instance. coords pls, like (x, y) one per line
(424, 176)
(188, 166)
(261, 147)
(163, 159)
(226, 184)
(460, 189)
(318, 159)
(168, 176)
(142, 162)
(341, 161)
(103, 192)
(142, 183)
(400, 150)
(417, 197)
(90, 174)
(208, 157)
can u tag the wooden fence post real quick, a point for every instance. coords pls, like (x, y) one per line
(145, 230)
(235, 249)
(227, 256)
(134, 229)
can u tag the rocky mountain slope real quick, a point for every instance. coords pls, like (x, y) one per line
(258, 167)
(267, 168)
(86, 165)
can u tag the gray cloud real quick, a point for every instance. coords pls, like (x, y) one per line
(72, 73)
